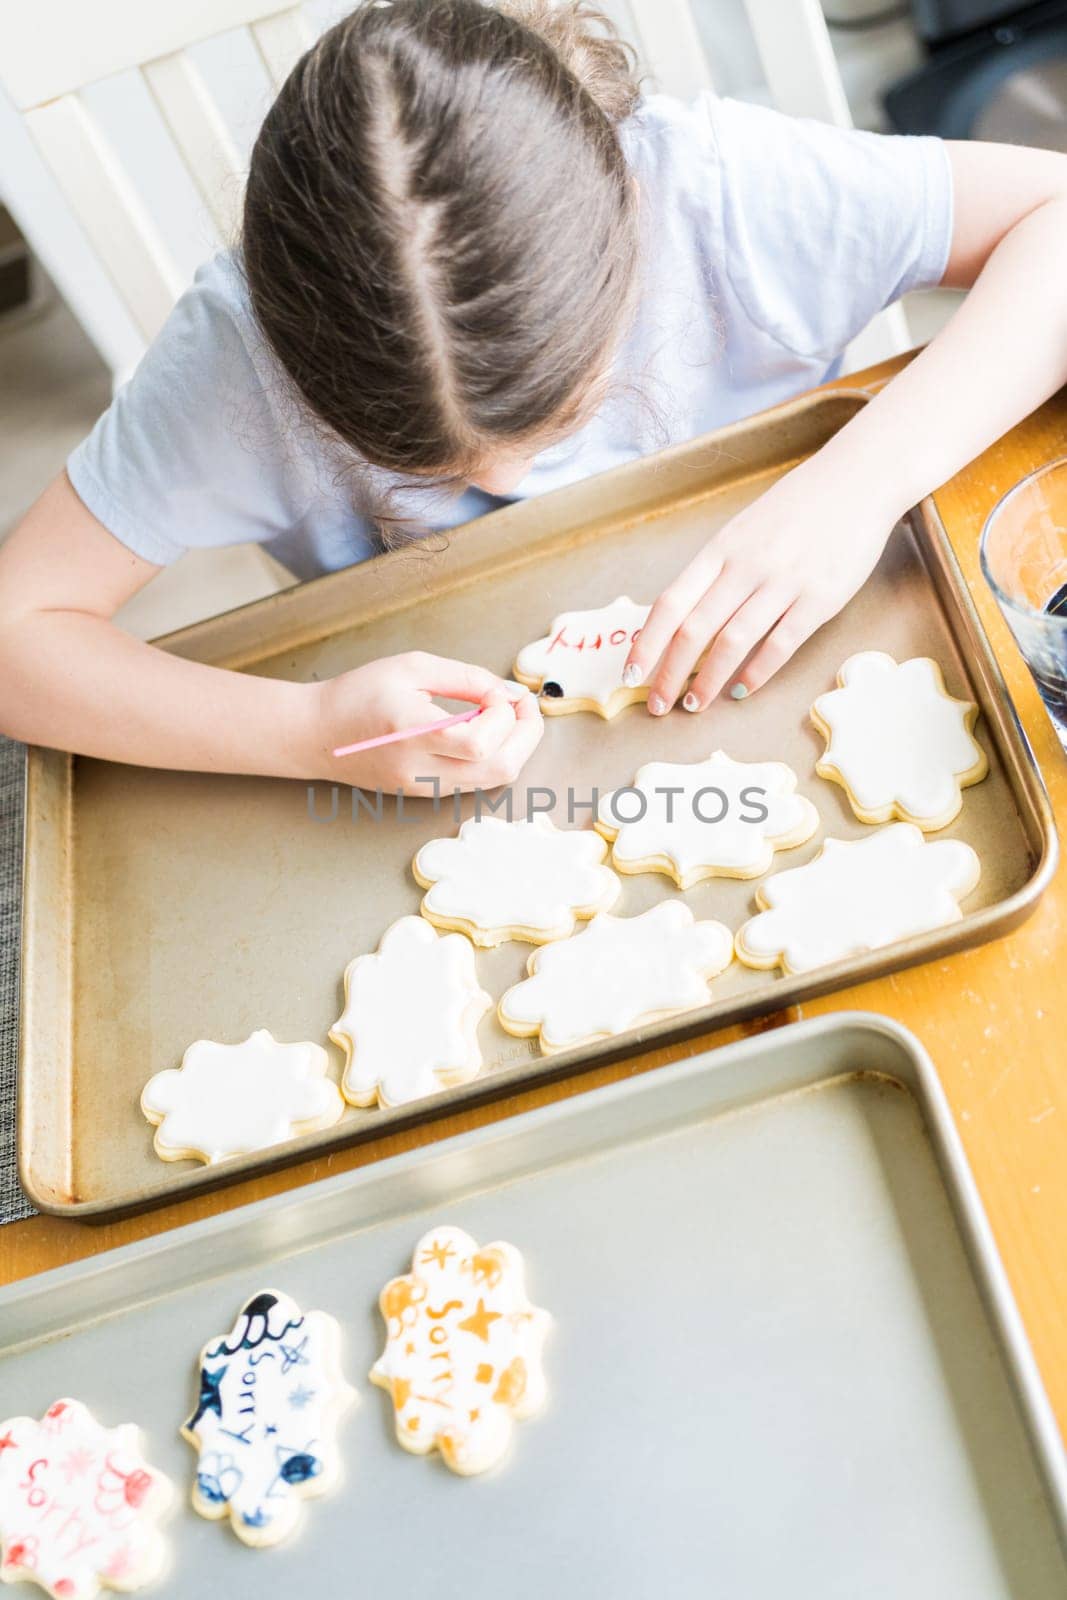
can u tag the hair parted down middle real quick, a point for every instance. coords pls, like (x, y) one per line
(440, 230)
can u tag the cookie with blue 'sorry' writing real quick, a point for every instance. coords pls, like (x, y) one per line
(271, 1394)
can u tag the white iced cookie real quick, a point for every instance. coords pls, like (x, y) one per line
(897, 742)
(578, 665)
(514, 880)
(857, 896)
(717, 818)
(79, 1504)
(616, 974)
(270, 1396)
(462, 1357)
(410, 1022)
(230, 1099)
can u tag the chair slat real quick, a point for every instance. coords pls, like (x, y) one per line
(281, 41)
(67, 44)
(670, 46)
(118, 227)
(201, 135)
(797, 56)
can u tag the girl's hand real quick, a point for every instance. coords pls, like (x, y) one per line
(398, 692)
(760, 586)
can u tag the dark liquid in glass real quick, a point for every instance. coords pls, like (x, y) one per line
(1053, 686)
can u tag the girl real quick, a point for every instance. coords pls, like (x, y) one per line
(474, 266)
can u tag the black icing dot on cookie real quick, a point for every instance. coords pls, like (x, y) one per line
(552, 691)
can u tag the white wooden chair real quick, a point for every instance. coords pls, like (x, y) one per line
(46, 66)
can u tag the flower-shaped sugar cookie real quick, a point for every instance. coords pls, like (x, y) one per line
(270, 1396)
(462, 1357)
(897, 742)
(616, 974)
(717, 818)
(856, 896)
(578, 665)
(409, 1026)
(514, 880)
(230, 1099)
(79, 1504)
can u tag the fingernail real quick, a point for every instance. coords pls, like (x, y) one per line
(657, 705)
(690, 703)
(519, 688)
(631, 676)
(738, 692)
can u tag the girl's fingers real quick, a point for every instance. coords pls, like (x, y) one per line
(797, 625)
(751, 623)
(458, 680)
(505, 764)
(518, 747)
(712, 613)
(667, 615)
(478, 739)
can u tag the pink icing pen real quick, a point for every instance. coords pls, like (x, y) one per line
(409, 733)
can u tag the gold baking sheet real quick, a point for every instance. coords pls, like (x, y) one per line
(165, 907)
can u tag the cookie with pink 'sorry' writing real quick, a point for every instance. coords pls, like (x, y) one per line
(79, 1504)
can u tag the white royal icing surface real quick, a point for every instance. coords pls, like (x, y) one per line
(584, 652)
(679, 833)
(462, 1357)
(270, 1396)
(79, 1504)
(229, 1099)
(617, 973)
(411, 1015)
(858, 895)
(500, 880)
(897, 741)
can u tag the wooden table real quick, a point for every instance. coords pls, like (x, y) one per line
(994, 1019)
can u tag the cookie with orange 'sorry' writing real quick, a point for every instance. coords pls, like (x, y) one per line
(79, 1504)
(578, 664)
(462, 1357)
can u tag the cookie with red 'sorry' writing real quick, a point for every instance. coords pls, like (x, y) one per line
(79, 1504)
(578, 665)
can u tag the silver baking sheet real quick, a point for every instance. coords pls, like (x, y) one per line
(163, 907)
(785, 1360)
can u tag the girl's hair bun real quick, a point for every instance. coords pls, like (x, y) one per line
(589, 45)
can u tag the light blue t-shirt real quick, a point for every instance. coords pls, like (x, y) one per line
(769, 243)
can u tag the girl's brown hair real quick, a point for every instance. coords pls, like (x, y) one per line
(440, 234)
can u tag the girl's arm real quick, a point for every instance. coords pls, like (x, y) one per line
(792, 559)
(71, 679)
